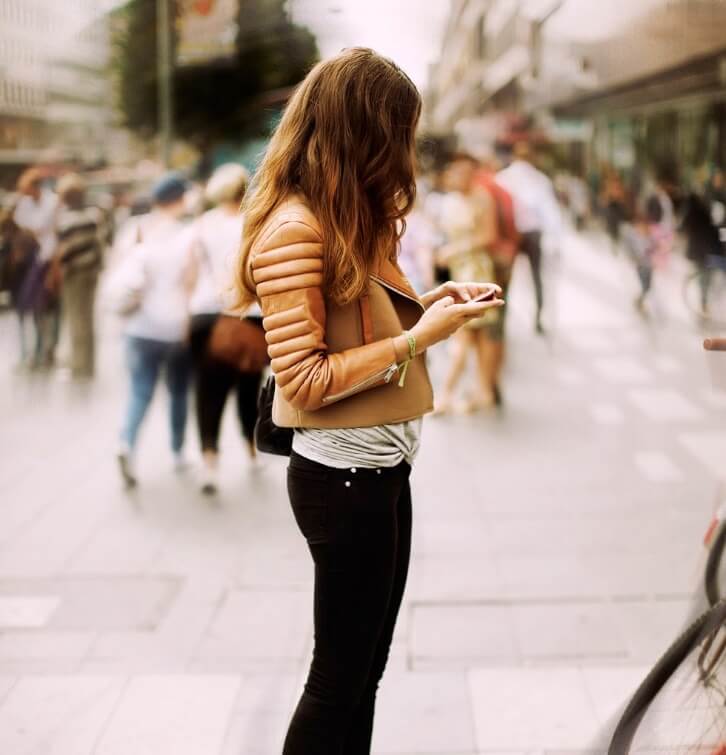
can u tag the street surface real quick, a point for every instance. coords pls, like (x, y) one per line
(556, 550)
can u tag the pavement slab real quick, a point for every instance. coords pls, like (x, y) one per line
(57, 715)
(460, 635)
(190, 715)
(424, 712)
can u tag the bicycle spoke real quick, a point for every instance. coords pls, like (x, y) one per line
(688, 716)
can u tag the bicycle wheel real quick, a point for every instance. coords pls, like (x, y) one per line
(715, 575)
(680, 708)
(713, 309)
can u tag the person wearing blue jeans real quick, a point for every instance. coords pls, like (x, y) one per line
(157, 330)
(146, 358)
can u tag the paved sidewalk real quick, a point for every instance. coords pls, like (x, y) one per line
(556, 552)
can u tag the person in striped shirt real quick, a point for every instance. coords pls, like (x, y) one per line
(82, 232)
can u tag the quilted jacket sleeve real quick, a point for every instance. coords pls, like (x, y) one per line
(287, 269)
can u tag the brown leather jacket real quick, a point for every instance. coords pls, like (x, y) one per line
(335, 366)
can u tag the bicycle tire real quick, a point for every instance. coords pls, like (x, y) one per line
(659, 675)
(713, 567)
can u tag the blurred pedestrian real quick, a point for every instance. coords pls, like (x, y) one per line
(431, 206)
(216, 244)
(716, 199)
(613, 200)
(642, 239)
(157, 324)
(82, 233)
(23, 278)
(416, 254)
(702, 241)
(347, 335)
(658, 194)
(468, 220)
(503, 251)
(578, 200)
(37, 211)
(536, 213)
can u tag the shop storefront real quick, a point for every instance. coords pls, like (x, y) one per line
(672, 123)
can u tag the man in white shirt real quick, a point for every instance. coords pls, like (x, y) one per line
(536, 212)
(36, 211)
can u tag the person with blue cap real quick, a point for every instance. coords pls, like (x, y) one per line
(156, 328)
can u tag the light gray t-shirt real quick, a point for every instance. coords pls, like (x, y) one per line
(365, 447)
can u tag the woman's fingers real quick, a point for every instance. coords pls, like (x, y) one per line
(474, 309)
(468, 291)
(483, 287)
(444, 301)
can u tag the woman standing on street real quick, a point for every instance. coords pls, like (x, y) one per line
(217, 237)
(347, 336)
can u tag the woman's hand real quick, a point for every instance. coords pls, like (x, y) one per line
(460, 292)
(444, 317)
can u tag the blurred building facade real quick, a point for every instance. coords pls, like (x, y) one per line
(660, 100)
(489, 59)
(55, 102)
(649, 93)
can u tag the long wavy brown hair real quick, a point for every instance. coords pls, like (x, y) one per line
(346, 142)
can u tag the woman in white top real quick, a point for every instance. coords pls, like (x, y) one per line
(156, 332)
(216, 243)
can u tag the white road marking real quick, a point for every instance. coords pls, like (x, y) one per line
(664, 405)
(25, 612)
(657, 466)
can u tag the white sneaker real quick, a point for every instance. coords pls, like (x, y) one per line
(209, 482)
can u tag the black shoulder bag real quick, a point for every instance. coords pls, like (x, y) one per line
(269, 438)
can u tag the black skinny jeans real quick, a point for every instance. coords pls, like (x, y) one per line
(358, 527)
(213, 380)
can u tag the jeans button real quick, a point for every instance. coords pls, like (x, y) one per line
(353, 470)
(378, 471)
(347, 483)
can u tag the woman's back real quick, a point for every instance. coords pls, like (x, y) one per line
(216, 242)
(164, 250)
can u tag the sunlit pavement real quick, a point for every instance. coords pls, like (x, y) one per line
(556, 551)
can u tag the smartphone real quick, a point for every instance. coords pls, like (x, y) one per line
(487, 295)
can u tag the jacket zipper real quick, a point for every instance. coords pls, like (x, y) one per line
(386, 374)
(391, 370)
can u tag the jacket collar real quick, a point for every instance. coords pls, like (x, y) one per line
(390, 275)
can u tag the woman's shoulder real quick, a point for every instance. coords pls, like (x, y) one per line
(291, 222)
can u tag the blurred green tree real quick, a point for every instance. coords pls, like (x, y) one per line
(223, 100)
